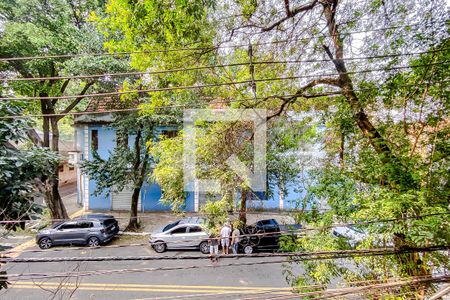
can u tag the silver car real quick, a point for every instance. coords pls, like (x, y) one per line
(180, 236)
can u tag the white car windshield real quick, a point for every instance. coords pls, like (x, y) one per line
(171, 225)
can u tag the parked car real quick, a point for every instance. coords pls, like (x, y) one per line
(107, 219)
(265, 235)
(187, 220)
(180, 236)
(352, 235)
(83, 231)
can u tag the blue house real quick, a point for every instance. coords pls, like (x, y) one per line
(94, 130)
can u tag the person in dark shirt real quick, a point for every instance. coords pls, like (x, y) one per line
(213, 246)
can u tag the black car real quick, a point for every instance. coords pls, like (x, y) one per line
(265, 235)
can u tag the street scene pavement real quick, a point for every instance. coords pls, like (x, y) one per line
(206, 281)
(190, 278)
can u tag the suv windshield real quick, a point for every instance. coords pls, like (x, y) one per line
(56, 224)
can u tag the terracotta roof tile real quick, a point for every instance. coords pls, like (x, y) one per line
(108, 103)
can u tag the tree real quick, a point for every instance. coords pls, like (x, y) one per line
(127, 166)
(21, 165)
(180, 24)
(356, 191)
(59, 27)
(374, 167)
(382, 179)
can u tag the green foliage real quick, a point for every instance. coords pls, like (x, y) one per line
(412, 184)
(216, 213)
(126, 165)
(57, 27)
(168, 173)
(355, 179)
(20, 165)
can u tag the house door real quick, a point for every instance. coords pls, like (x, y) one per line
(122, 200)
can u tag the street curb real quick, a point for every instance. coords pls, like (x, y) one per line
(16, 251)
(133, 233)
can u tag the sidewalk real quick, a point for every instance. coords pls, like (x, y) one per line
(70, 202)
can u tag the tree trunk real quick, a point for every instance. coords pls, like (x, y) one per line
(133, 224)
(53, 198)
(51, 184)
(45, 122)
(139, 172)
(341, 150)
(410, 263)
(243, 208)
(398, 174)
(281, 193)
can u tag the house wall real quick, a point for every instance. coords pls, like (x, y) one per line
(291, 198)
(106, 142)
(66, 174)
(151, 192)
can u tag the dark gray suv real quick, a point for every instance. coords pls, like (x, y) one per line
(83, 231)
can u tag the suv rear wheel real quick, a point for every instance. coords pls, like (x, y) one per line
(45, 243)
(204, 247)
(93, 241)
(159, 246)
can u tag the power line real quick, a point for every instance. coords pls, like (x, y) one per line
(241, 290)
(202, 104)
(121, 74)
(138, 270)
(346, 224)
(331, 293)
(294, 255)
(296, 232)
(217, 84)
(212, 48)
(372, 284)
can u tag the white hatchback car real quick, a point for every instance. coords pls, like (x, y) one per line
(353, 235)
(180, 236)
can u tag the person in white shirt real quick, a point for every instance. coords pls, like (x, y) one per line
(225, 233)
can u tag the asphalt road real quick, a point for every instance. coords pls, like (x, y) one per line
(262, 281)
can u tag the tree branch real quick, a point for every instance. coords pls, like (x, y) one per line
(286, 8)
(34, 137)
(10, 146)
(300, 93)
(290, 14)
(62, 90)
(64, 86)
(77, 100)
